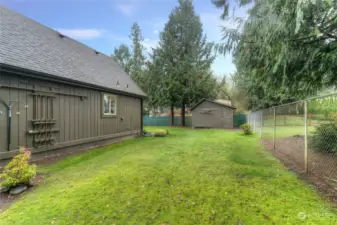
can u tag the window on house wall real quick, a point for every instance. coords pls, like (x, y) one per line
(109, 105)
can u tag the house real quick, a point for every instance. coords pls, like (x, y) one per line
(212, 114)
(58, 95)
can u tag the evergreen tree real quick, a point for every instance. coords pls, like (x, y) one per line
(285, 49)
(132, 58)
(184, 58)
(224, 90)
(123, 56)
(138, 58)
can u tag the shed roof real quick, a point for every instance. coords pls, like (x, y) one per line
(27, 44)
(217, 103)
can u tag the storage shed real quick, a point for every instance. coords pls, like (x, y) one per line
(212, 114)
(58, 95)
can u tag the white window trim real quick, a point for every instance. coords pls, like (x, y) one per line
(109, 114)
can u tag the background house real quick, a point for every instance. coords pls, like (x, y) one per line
(58, 95)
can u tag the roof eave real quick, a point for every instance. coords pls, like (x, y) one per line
(204, 99)
(40, 75)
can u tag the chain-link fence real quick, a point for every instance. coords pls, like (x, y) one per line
(303, 135)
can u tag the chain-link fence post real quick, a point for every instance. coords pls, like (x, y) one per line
(274, 133)
(306, 136)
(254, 122)
(261, 122)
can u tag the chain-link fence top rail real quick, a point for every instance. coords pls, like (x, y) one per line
(302, 134)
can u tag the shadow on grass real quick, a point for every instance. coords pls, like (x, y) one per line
(89, 155)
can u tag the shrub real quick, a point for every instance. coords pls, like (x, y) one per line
(246, 129)
(160, 133)
(18, 171)
(324, 138)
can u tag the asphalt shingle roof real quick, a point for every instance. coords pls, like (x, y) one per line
(215, 102)
(27, 44)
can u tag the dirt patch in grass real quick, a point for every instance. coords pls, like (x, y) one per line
(322, 168)
(6, 199)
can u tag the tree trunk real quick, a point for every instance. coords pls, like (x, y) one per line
(172, 116)
(182, 114)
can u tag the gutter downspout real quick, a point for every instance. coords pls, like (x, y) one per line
(9, 123)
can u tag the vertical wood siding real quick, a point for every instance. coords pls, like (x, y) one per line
(76, 117)
(218, 117)
(4, 95)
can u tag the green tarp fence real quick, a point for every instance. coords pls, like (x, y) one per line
(238, 119)
(165, 121)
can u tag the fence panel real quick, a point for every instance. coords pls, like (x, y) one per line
(303, 135)
(239, 119)
(322, 138)
(268, 125)
(255, 121)
(290, 135)
(165, 121)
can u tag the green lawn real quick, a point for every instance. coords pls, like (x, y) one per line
(287, 126)
(189, 177)
(284, 120)
(284, 131)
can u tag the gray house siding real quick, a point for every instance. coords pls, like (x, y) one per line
(56, 87)
(63, 115)
(211, 115)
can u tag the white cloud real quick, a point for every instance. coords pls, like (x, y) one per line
(127, 8)
(156, 32)
(81, 34)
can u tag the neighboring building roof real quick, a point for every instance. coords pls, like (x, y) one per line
(218, 103)
(29, 45)
(224, 101)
